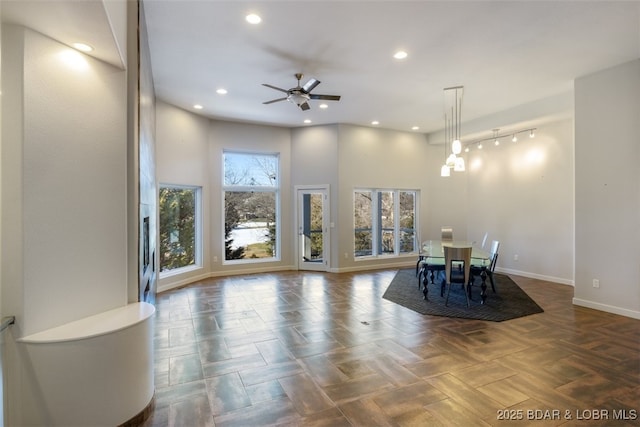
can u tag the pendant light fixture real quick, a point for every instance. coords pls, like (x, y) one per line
(453, 103)
(452, 119)
(445, 170)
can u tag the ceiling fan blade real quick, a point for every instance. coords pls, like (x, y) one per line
(275, 100)
(326, 97)
(304, 106)
(310, 85)
(275, 87)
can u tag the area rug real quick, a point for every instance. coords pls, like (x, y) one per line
(508, 302)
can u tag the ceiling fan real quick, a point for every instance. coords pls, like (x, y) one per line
(300, 95)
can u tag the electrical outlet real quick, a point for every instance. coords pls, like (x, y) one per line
(215, 259)
(596, 283)
(515, 257)
(346, 255)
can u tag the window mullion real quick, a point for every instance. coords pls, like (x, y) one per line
(396, 222)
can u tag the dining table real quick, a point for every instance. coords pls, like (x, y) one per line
(431, 261)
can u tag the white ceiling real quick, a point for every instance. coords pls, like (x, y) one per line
(507, 54)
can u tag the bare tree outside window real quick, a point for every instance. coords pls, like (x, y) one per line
(407, 221)
(251, 199)
(363, 223)
(384, 222)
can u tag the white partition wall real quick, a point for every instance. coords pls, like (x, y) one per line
(64, 218)
(71, 159)
(608, 190)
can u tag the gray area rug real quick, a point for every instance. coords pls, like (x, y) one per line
(509, 301)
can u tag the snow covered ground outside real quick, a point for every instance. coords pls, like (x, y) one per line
(248, 233)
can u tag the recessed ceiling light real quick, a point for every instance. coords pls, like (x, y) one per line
(307, 121)
(198, 107)
(323, 106)
(254, 19)
(221, 91)
(74, 59)
(401, 54)
(375, 123)
(415, 128)
(83, 47)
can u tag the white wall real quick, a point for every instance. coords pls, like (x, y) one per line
(378, 158)
(182, 156)
(189, 152)
(522, 194)
(607, 154)
(250, 138)
(64, 169)
(3, 399)
(447, 201)
(314, 161)
(72, 230)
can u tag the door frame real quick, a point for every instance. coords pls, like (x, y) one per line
(325, 265)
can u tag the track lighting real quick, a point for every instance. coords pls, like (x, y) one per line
(497, 136)
(452, 125)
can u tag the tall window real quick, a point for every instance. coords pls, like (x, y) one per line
(384, 222)
(251, 206)
(180, 234)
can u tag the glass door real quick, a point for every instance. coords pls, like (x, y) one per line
(313, 229)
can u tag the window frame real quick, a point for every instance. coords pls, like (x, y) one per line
(376, 226)
(198, 232)
(275, 189)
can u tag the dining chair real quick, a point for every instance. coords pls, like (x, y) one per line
(461, 257)
(446, 234)
(493, 259)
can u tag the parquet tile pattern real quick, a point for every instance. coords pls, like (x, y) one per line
(321, 349)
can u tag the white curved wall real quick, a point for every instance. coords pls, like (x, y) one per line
(93, 371)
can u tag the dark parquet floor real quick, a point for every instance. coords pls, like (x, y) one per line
(316, 349)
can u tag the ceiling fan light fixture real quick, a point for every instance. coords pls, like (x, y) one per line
(298, 98)
(301, 95)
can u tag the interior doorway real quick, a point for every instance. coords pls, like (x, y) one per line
(313, 228)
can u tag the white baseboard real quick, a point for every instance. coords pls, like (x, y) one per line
(367, 267)
(193, 279)
(182, 282)
(553, 279)
(608, 308)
